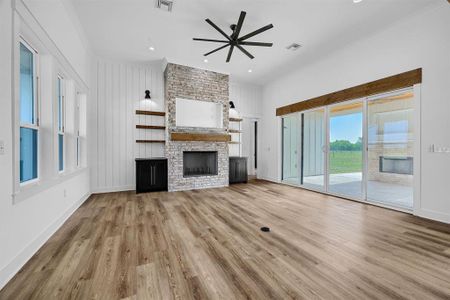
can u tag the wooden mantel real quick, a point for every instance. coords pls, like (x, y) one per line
(200, 137)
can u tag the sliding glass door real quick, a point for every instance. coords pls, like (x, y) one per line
(290, 136)
(360, 149)
(391, 149)
(345, 155)
(313, 159)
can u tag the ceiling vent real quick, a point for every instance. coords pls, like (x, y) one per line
(293, 46)
(164, 5)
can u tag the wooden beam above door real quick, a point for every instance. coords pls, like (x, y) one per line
(387, 84)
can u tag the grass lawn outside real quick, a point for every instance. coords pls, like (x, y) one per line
(345, 162)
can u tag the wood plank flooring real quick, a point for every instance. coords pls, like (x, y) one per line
(207, 244)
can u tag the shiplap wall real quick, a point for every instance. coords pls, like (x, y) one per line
(247, 98)
(118, 93)
(291, 137)
(313, 143)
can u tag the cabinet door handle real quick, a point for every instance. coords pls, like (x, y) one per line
(152, 176)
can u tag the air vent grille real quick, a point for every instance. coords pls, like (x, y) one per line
(164, 5)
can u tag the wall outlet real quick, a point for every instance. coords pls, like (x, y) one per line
(2, 148)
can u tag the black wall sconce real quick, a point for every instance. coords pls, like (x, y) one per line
(147, 94)
(232, 104)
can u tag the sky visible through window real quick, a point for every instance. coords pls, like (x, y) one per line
(346, 127)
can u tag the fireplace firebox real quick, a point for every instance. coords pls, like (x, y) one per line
(199, 163)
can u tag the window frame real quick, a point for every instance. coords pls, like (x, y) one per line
(61, 113)
(77, 130)
(36, 109)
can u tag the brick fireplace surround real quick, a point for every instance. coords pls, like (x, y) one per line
(191, 83)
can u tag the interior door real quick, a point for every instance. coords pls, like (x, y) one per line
(249, 143)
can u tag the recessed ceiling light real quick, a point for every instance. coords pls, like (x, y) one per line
(205, 60)
(151, 48)
(250, 70)
(356, 1)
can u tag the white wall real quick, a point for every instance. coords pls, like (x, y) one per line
(26, 225)
(120, 91)
(420, 40)
(248, 99)
(58, 18)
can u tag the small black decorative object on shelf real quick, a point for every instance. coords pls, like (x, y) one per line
(147, 94)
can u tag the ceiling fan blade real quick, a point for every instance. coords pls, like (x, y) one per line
(229, 53)
(218, 29)
(210, 40)
(258, 31)
(239, 25)
(256, 44)
(245, 51)
(215, 50)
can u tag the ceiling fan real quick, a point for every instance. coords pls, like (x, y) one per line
(234, 40)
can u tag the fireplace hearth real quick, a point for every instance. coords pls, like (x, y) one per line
(199, 163)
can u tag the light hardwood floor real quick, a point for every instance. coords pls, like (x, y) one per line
(207, 244)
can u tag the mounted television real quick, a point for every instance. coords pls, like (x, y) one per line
(198, 113)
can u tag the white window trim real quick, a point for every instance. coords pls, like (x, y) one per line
(36, 111)
(26, 27)
(77, 131)
(61, 112)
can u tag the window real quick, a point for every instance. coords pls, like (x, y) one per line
(61, 120)
(28, 110)
(77, 122)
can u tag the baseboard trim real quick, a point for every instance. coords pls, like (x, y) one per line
(11, 269)
(113, 189)
(200, 188)
(268, 179)
(433, 215)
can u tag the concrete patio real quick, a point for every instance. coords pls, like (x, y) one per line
(350, 184)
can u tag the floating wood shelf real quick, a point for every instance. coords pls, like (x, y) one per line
(234, 131)
(200, 137)
(150, 127)
(150, 113)
(234, 143)
(150, 141)
(235, 120)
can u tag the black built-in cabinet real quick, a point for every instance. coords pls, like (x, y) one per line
(151, 174)
(238, 169)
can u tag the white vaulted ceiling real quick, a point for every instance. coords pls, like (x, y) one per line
(124, 29)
